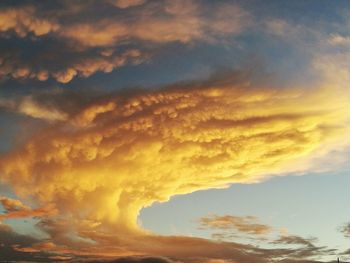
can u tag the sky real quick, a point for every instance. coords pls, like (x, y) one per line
(174, 131)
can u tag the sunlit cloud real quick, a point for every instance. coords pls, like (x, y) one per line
(24, 20)
(82, 47)
(122, 154)
(16, 209)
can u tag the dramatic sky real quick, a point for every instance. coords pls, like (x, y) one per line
(175, 131)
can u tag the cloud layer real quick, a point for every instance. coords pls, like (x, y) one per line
(81, 39)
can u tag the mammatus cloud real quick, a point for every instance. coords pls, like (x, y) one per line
(79, 44)
(68, 63)
(23, 20)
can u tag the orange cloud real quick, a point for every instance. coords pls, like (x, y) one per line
(16, 209)
(11, 205)
(24, 20)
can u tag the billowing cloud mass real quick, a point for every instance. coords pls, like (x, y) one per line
(116, 156)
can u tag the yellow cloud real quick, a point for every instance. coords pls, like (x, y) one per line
(113, 158)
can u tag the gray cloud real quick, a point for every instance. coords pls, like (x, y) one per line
(345, 229)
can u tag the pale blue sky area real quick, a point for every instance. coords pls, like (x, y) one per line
(311, 205)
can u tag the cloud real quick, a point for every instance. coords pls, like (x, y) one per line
(68, 63)
(127, 3)
(101, 159)
(248, 227)
(113, 157)
(305, 247)
(339, 40)
(229, 225)
(16, 209)
(142, 260)
(345, 229)
(11, 205)
(56, 105)
(75, 44)
(10, 241)
(23, 20)
(188, 20)
(172, 249)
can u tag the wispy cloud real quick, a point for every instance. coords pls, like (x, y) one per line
(234, 226)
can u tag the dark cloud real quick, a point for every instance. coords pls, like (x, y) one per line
(11, 242)
(303, 248)
(142, 260)
(345, 229)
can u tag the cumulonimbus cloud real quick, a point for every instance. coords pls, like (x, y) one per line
(111, 158)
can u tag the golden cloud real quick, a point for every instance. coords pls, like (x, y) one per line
(115, 157)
